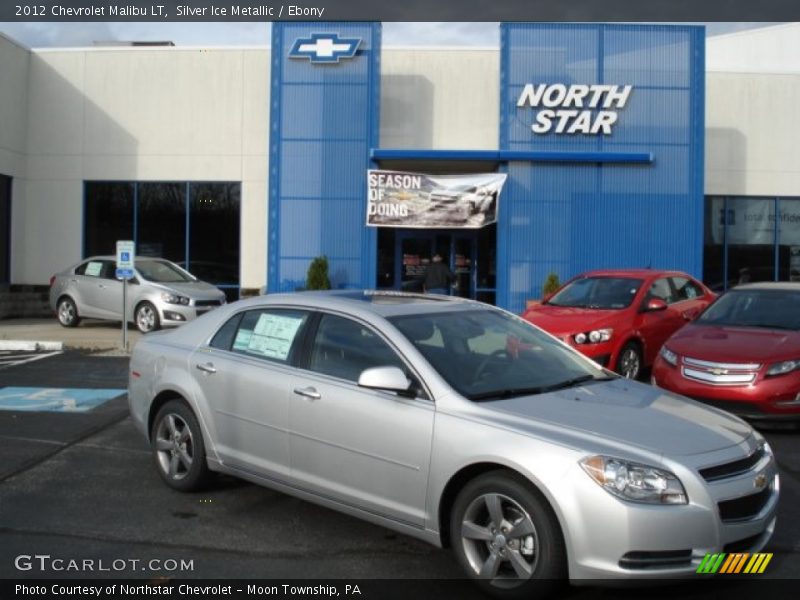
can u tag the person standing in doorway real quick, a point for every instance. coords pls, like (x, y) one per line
(438, 277)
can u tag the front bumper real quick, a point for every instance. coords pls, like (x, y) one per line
(172, 315)
(772, 398)
(610, 538)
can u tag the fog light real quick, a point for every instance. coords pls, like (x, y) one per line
(173, 316)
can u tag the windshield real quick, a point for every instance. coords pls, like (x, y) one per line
(161, 271)
(771, 309)
(487, 354)
(607, 293)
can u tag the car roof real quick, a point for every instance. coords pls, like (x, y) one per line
(641, 273)
(386, 303)
(787, 286)
(114, 257)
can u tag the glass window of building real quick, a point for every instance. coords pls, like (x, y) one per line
(108, 216)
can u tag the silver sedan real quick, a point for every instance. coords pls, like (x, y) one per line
(459, 424)
(161, 294)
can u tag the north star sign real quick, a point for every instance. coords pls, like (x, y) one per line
(574, 108)
(324, 48)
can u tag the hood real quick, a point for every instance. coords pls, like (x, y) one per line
(629, 414)
(198, 290)
(735, 344)
(560, 320)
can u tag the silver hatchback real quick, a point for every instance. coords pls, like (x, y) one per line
(161, 294)
(459, 424)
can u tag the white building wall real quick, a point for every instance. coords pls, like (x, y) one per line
(141, 114)
(440, 98)
(752, 130)
(13, 106)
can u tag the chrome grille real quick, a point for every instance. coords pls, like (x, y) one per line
(718, 373)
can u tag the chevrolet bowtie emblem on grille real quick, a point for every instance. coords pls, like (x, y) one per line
(717, 371)
(760, 481)
(324, 48)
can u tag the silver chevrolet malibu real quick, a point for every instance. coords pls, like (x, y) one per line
(459, 424)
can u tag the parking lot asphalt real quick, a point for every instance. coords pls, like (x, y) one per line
(83, 486)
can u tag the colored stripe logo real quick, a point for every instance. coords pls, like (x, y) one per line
(735, 563)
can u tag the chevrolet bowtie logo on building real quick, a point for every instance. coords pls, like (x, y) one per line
(734, 564)
(324, 48)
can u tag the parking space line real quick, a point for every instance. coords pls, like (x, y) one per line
(26, 358)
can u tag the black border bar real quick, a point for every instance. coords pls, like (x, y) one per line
(405, 10)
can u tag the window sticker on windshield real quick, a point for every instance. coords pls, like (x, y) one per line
(273, 335)
(93, 269)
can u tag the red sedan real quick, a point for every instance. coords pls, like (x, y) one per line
(621, 318)
(742, 354)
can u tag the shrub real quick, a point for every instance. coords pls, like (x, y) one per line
(317, 278)
(551, 284)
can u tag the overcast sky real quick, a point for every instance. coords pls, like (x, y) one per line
(37, 35)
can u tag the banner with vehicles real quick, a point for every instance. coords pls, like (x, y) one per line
(419, 201)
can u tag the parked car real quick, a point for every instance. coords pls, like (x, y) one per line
(161, 294)
(742, 354)
(621, 318)
(457, 423)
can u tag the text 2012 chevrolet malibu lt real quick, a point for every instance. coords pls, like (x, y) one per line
(457, 423)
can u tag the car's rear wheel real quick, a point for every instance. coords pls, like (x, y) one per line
(146, 317)
(629, 362)
(67, 312)
(178, 447)
(506, 537)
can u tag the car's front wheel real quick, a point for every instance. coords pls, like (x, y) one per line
(67, 312)
(629, 363)
(146, 317)
(505, 536)
(178, 447)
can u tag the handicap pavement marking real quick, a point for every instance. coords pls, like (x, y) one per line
(68, 400)
(10, 358)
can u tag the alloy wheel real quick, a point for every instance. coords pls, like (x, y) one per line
(174, 445)
(500, 540)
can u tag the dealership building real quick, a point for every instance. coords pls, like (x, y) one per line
(619, 145)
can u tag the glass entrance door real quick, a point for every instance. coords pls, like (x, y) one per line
(415, 251)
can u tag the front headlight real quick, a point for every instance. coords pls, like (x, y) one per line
(174, 298)
(634, 482)
(593, 337)
(782, 368)
(669, 356)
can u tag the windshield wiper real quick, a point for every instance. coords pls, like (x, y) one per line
(507, 393)
(575, 381)
(530, 391)
(769, 326)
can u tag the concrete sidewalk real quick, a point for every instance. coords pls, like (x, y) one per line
(89, 335)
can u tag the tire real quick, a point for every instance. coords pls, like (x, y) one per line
(146, 318)
(67, 312)
(530, 565)
(178, 448)
(629, 361)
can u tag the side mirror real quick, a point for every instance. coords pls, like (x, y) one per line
(390, 379)
(654, 305)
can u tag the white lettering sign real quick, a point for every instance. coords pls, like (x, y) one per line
(558, 104)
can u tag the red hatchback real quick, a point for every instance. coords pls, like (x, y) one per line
(742, 354)
(621, 318)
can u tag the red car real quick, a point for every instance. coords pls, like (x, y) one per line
(742, 354)
(621, 318)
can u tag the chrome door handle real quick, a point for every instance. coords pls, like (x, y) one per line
(308, 392)
(207, 368)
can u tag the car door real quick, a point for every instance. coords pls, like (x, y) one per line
(244, 376)
(690, 297)
(363, 447)
(657, 326)
(108, 294)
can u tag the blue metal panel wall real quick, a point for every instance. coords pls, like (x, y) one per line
(323, 122)
(569, 217)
